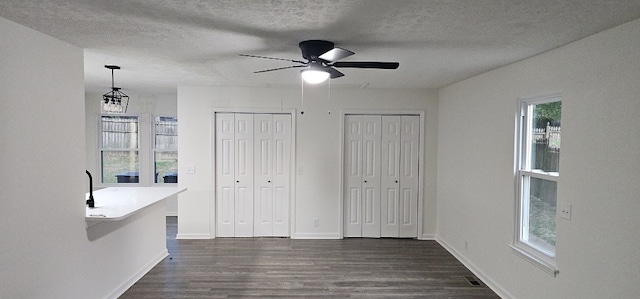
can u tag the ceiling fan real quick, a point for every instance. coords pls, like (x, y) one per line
(322, 60)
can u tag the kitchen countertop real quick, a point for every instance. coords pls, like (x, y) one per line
(117, 203)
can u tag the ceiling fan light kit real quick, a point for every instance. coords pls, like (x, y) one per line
(314, 76)
(315, 73)
(322, 60)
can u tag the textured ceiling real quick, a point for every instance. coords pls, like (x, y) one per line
(161, 44)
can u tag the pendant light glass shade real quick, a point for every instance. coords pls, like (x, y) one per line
(115, 101)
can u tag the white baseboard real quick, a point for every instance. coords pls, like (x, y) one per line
(325, 236)
(131, 281)
(333, 236)
(194, 236)
(476, 271)
(429, 237)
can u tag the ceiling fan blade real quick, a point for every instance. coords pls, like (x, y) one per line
(272, 58)
(335, 54)
(333, 73)
(280, 68)
(367, 65)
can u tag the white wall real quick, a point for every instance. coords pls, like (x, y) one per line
(317, 150)
(144, 105)
(46, 250)
(598, 250)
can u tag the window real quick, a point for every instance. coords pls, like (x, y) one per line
(538, 173)
(119, 147)
(165, 149)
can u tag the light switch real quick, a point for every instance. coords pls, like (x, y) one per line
(565, 211)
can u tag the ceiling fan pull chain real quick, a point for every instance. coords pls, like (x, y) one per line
(302, 96)
(329, 98)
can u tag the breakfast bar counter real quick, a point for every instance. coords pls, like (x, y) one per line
(117, 203)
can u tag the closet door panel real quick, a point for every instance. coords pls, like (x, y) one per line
(281, 169)
(225, 174)
(390, 176)
(371, 176)
(244, 175)
(410, 142)
(263, 173)
(353, 176)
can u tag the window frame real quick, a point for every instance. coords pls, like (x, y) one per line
(544, 259)
(154, 150)
(102, 149)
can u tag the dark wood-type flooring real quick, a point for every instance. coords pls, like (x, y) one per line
(281, 268)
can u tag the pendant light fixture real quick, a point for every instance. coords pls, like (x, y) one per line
(114, 101)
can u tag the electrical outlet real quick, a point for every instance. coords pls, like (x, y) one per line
(191, 169)
(565, 212)
(316, 222)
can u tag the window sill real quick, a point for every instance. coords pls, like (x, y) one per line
(544, 265)
(540, 171)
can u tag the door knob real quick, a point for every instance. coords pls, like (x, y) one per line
(396, 182)
(365, 181)
(237, 181)
(268, 181)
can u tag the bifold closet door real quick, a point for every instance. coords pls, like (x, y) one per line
(272, 156)
(253, 156)
(234, 174)
(381, 176)
(399, 179)
(362, 176)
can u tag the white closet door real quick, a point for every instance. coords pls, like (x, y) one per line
(353, 175)
(408, 208)
(390, 176)
(253, 160)
(381, 176)
(362, 176)
(272, 158)
(281, 174)
(244, 175)
(225, 174)
(371, 176)
(263, 175)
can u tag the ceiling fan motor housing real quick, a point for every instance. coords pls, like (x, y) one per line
(312, 49)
